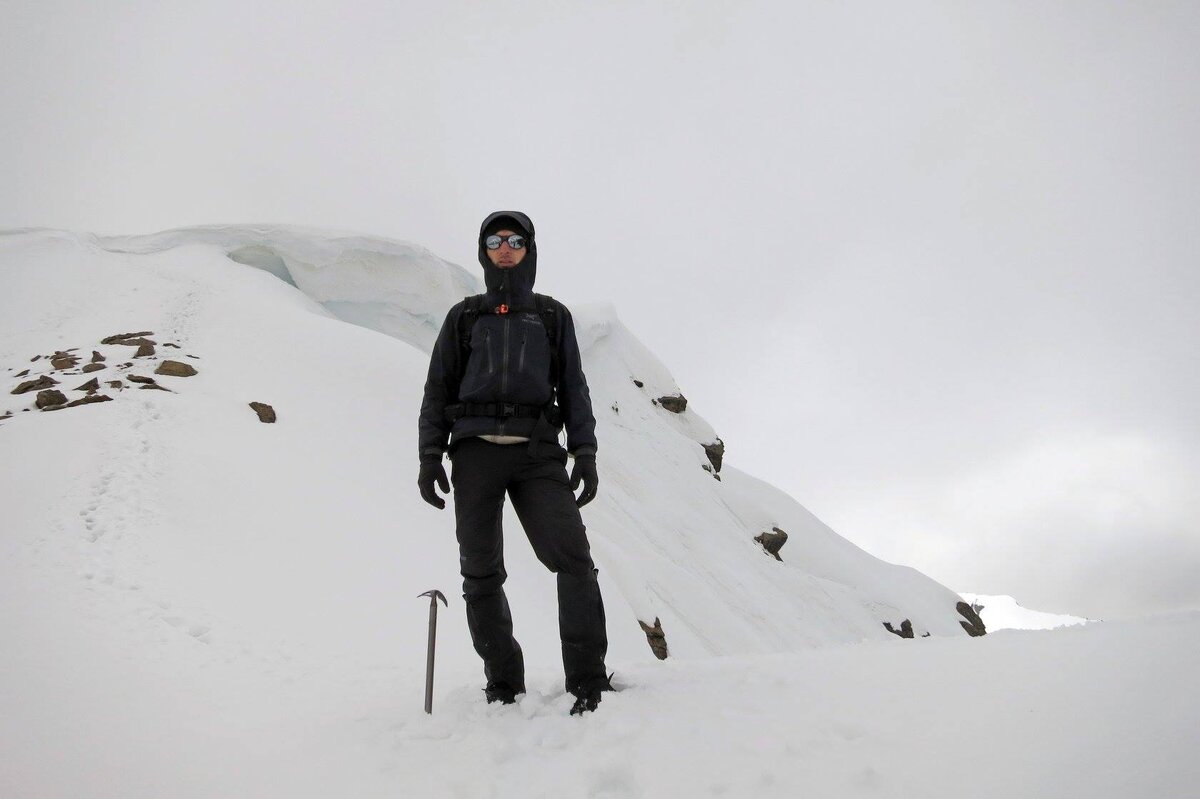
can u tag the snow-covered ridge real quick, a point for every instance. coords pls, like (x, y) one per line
(383, 284)
(262, 308)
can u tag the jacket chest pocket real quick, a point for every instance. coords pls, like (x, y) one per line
(533, 352)
(484, 358)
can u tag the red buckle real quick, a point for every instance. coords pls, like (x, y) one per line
(502, 309)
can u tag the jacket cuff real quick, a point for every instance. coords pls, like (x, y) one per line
(586, 451)
(431, 454)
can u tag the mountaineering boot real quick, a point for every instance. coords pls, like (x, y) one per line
(587, 698)
(500, 692)
(586, 701)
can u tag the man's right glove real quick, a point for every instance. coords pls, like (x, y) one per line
(432, 471)
(585, 470)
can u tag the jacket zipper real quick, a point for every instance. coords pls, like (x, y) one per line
(521, 361)
(504, 372)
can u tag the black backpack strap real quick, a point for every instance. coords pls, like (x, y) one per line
(466, 321)
(548, 312)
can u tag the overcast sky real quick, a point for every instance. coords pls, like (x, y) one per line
(932, 268)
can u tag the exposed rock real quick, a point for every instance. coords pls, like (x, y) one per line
(674, 404)
(197, 357)
(169, 344)
(89, 386)
(155, 386)
(715, 452)
(115, 384)
(21, 373)
(973, 624)
(265, 412)
(137, 342)
(120, 337)
(144, 351)
(615, 409)
(139, 379)
(656, 638)
(638, 383)
(34, 358)
(92, 367)
(773, 541)
(50, 396)
(63, 361)
(175, 369)
(45, 381)
(905, 631)
(97, 357)
(86, 400)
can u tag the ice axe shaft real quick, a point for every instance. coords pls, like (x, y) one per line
(434, 595)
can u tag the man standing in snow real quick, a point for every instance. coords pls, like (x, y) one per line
(500, 361)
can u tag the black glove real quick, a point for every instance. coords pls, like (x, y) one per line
(584, 469)
(432, 471)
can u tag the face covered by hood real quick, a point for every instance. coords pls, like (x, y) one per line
(512, 286)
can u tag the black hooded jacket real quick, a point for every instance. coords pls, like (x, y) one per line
(509, 361)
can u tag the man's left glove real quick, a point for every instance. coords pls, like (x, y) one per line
(585, 470)
(432, 471)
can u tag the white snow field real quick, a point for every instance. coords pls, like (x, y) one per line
(197, 604)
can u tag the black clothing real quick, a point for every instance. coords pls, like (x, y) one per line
(510, 362)
(481, 474)
(508, 386)
(585, 470)
(500, 221)
(432, 472)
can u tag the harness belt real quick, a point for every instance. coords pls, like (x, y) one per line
(502, 410)
(547, 415)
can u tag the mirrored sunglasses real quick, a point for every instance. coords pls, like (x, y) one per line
(516, 241)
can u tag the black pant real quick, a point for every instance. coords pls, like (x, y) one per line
(541, 495)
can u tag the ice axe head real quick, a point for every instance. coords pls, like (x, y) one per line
(434, 595)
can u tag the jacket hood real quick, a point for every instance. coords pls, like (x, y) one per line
(511, 286)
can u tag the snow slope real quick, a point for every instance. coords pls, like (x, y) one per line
(331, 484)
(207, 605)
(1003, 613)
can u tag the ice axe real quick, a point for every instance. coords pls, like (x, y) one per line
(434, 595)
